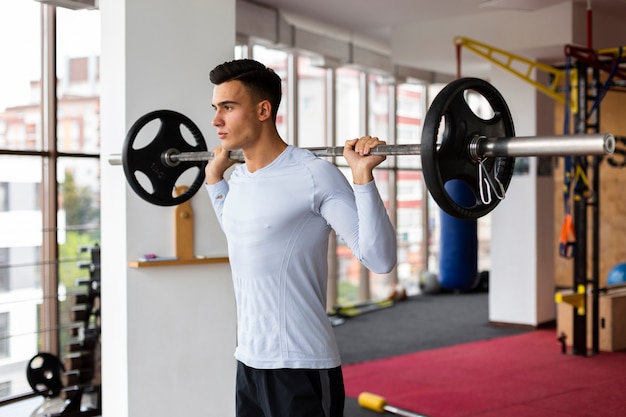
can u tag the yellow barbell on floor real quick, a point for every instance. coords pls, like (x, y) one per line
(379, 404)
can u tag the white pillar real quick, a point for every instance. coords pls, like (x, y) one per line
(168, 333)
(521, 281)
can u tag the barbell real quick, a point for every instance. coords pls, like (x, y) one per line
(456, 144)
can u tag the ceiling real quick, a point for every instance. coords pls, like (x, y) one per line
(375, 18)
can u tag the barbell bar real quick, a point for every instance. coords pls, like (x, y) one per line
(456, 144)
(481, 147)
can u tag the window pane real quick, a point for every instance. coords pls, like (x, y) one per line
(79, 195)
(410, 206)
(413, 247)
(379, 118)
(348, 104)
(276, 60)
(434, 218)
(411, 109)
(241, 51)
(349, 268)
(78, 72)
(311, 104)
(347, 123)
(4, 335)
(20, 268)
(20, 75)
(79, 229)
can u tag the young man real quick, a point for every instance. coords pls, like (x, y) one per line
(277, 211)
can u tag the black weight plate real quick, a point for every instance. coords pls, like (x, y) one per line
(149, 160)
(44, 372)
(451, 159)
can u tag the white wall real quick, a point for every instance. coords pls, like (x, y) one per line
(168, 333)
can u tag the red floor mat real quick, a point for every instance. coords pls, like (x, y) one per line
(514, 376)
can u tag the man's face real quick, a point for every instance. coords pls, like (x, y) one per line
(236, 115)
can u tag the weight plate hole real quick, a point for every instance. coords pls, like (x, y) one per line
(187, 135)
(479, 105)
(146, 134)
(144, 182)
(187, 177)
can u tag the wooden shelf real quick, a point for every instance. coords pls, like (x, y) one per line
(183, 225)
(193, 261)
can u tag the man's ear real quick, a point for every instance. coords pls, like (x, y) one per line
(265, 110)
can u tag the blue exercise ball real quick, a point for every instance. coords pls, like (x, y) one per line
(617, 275)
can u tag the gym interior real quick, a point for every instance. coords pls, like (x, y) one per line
(116, 299)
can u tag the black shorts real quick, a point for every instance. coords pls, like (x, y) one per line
(289, 392)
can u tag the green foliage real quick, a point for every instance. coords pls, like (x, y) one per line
(77, 202)
(80, 218)
(347, 293)
(70, 256)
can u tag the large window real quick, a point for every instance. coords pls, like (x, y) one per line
(49, 176)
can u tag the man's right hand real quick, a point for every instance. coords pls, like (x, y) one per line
(217, 166)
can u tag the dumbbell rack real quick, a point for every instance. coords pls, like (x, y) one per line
(82, 358)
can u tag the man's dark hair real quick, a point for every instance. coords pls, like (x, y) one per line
(262, 82)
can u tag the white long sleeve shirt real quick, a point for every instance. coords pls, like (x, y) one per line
(277, 222)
